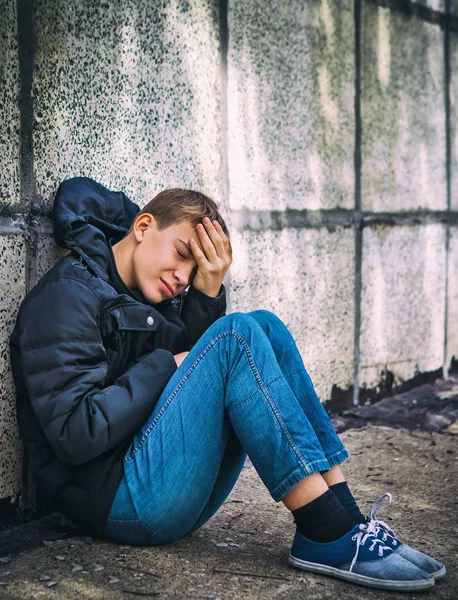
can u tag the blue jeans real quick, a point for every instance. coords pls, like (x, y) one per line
(242, 389)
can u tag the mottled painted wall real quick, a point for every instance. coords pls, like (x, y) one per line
(125, 92)
(326, 130)
(403, 113)
(291, 105)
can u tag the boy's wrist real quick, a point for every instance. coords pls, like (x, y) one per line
(211, 292)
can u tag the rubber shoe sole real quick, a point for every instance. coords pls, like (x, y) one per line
(400, 586)
(439, 574)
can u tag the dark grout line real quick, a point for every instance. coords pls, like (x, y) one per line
(272, 220)
(26, 51)
(448, 171)
(358, 125)
(447, 81)
(358, 294)
(358, 216)
(264, 220)
(224, 46)
(26, 56)
(421, 12)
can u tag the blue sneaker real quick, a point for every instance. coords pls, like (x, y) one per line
(361, 557)
(388, 537)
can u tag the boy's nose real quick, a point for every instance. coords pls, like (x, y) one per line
(183, 275)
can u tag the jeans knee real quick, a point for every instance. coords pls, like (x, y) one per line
(268, 320)
(244, 325)
(237, 318)
(257, 320)
(263, 315)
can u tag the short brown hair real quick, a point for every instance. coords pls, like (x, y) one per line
(177, 205)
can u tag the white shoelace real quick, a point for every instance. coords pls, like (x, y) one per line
(379, 505)
(367, 531)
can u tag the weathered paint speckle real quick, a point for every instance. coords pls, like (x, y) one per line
(402, 108)
(127, 93)
(291, 104)
(48, 254)
(9, 107)
(307, 278)
(12, 291)
(383, 48)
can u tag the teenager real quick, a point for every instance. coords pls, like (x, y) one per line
(139, 400)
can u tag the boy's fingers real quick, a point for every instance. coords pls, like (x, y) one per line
(207, 244)
(215, 237)
(219, 229)
(223, 236)
(198, 254)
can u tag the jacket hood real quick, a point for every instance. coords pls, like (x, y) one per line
(86, 216)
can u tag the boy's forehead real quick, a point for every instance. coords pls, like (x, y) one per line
(185, 230)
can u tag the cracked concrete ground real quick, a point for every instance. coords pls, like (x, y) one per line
(419, 469)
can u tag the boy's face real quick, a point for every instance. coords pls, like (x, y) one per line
(163, 264)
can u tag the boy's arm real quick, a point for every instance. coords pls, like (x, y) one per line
(200, 311)
(64, 364)
(206, 299)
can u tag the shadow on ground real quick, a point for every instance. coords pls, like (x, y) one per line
(429, 407)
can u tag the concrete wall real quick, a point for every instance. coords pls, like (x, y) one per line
(326, 130)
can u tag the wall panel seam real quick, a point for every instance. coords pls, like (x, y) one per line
(357, 9)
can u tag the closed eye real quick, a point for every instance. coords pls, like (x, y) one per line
(180, 253)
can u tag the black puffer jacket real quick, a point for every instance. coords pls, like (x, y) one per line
(90, 357)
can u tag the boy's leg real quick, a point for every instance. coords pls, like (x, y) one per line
(231, 380)
(292, 366)
(174, 463)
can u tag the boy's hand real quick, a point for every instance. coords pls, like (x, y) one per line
(179, 358)
(213, 260)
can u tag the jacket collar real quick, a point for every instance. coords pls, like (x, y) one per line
(86, 216)
(115, 278)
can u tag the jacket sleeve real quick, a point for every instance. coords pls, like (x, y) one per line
(64, 364)
(199, 311)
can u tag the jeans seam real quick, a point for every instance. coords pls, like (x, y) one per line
(270, 401)
(130, 456)
(254, 393)
(337, 455)
(295, 373)
(175, 391)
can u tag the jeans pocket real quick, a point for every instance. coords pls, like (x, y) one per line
(132, 532)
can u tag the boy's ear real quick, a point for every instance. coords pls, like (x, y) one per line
(141, 225)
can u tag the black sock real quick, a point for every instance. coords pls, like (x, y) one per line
(324, 519)
(342, 491)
